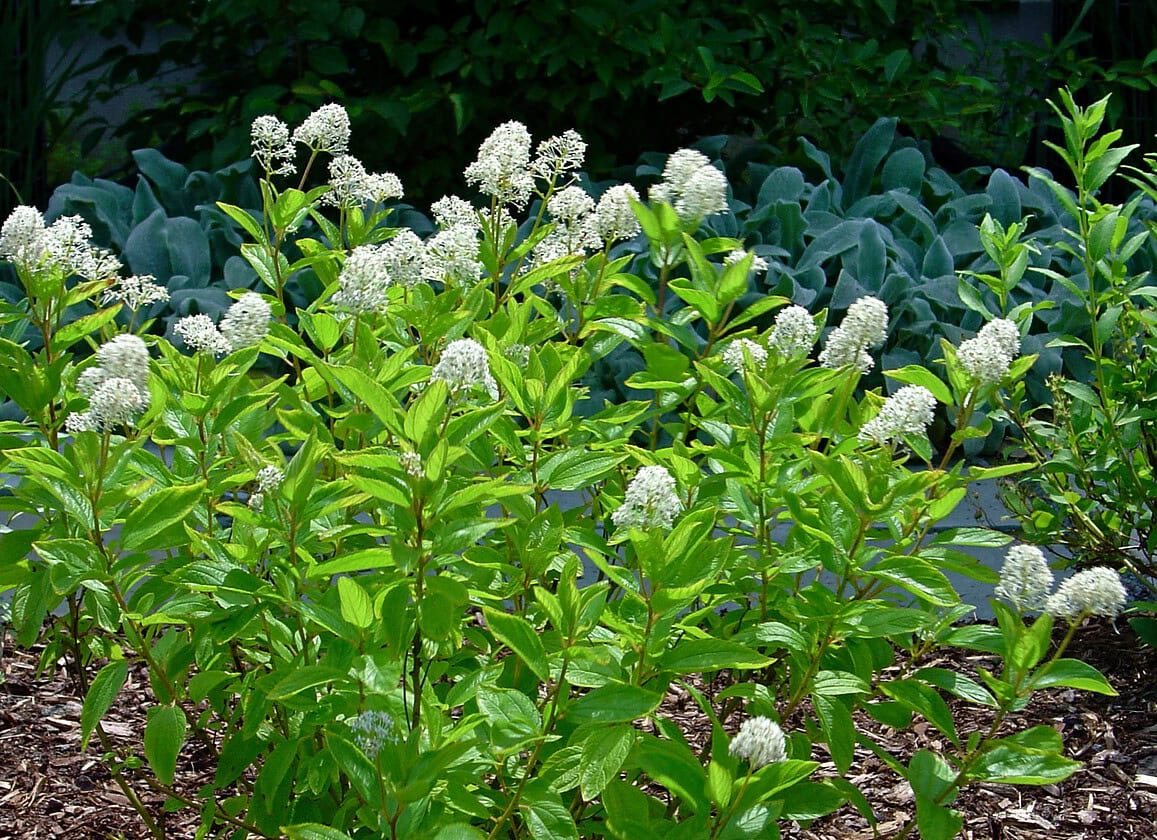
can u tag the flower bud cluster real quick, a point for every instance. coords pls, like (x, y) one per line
(352, 186)
(325, 130)
(502, 169)
(1025, 578)
(906, 412)
(136, 291)
(739, 352)
(117, 387)
(364, 280)
(269, 480)
(373, 731)
(246, 323)
(1096, 591)
(794, 332)
(271, 145)
(758, 263)
(987, 357)
(650, 501)
(865, 325)
(1025, 581)
(464, 367)
(692, 186)
(64, 246)
(760, 741)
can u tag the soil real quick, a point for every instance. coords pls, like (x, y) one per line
(49, 788)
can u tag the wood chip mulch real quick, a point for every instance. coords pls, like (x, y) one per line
(50, 789)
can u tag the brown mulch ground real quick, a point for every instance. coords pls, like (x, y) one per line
(49, 789)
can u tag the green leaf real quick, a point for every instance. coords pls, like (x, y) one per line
(519, 635)
(1072, 673)
(303, 678)
(1013, 765)
(101, 693)
(696, 655)
(576, 469)
(603, 754)
(144, 525)
(924, 699)
(512, 716)
(614, 703)
(917, 375)
(313, 831)
(917, 576)
(164, 735)
(356, 606)
(839, 730)
(546, 816)
(832, 683)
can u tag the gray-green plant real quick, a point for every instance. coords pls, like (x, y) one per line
(407, 590)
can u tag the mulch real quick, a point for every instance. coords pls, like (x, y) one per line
(50, 789)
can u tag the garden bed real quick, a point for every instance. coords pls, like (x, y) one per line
(49, 789)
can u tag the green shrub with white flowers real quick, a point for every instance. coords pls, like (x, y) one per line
(401, 587)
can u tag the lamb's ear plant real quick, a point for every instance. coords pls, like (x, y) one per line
(411, 586)
(1094, 490)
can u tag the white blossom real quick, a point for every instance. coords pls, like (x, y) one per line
(794, 332)
(411, 464)
(864, 326)
(452, 256)
(115, 402)
(364, 279)
(352, 186)
(906, 412)
(758, 263)
(246, 323)
(23, 238)
(502, 169)
(692, 186)
(136, 291)
(373, 732)
(650, 500)
(1025, 578)
(125, 357)
(325, 130)
(451, 211)
(614, 218)
(564, 152)
(570, 204)
(463, 366)
(759, 742)
(81, 421)
(69, 248)
(737, 352)
(271, 145)
(269, 479)
(1096, 591)
(987, 357)
(200, 334)
(404, 257)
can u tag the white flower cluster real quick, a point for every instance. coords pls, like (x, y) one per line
(246, 323)
(692, 186)
(117, 386)
(738, 352)
(906, 412)
(650, 500)
(404, 258)
(987, 357)
(574, 232)
(136, 291)
(268, 480)
(411, 464)
(865, 325)
(364, 280)
(502, 169)
(614, 219)
(451, 211)
(463, 366)
(758, 263)
(351, 186)
(1096, 591)
(373, 732)
(794, 332)
(1025, 578)
(63, 246)
(452, 256)
(325, 130)
(558, 155)
(271, 145)
(760, 741)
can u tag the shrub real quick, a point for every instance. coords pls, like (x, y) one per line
(358, 585)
